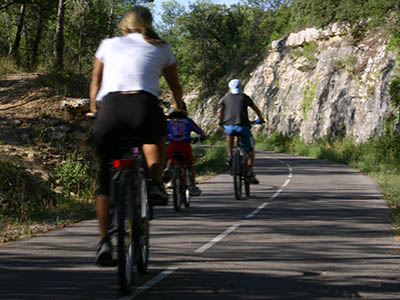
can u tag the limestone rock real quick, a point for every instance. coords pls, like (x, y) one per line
(340, 89)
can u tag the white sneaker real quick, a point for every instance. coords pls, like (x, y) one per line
(195, 191)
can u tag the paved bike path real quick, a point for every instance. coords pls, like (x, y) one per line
(311, 230)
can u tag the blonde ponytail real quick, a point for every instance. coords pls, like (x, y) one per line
(139, 19)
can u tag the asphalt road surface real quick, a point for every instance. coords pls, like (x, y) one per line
(311, 230)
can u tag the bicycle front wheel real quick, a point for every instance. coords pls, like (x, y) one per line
(177, 188)
(236, 172)
(125, 237)
(142, 224)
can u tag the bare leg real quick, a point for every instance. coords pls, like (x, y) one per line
(155, 156)
(102, 208)
(169, 162)
(192, 175)
(251, 161)
(229, 142)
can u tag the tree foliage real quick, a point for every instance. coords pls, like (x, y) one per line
(211, 41)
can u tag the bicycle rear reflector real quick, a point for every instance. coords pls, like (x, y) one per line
(123, 163)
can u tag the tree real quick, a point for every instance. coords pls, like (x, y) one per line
(39, 15)
(59, 46)
(21, 23)
(268, 4)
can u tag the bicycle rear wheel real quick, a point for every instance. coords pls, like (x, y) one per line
(236, 173)
(142, 224)
(177, 188)
(126, 247)
(245, 176)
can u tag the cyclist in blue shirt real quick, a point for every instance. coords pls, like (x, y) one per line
(179, 129)
(233, 116)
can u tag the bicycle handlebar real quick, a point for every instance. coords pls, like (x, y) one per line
(254, 122)
(257, 122)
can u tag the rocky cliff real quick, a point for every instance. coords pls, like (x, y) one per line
(321, 82)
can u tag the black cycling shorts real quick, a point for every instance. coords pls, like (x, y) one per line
(139, 115)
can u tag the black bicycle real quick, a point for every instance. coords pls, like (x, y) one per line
(240, 166)
(131, 213)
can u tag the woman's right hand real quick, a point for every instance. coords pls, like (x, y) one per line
(91, 115)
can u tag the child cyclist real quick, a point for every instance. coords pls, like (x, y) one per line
(179, 129)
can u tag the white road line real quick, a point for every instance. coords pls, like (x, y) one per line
(276, 194)
(150, 283)
(211, 243)
(257, 210)
(217, 239)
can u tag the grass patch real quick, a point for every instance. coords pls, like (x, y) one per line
(8, 66)
(210, 159)
(378, 158)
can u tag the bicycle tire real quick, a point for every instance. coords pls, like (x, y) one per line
(176, 188)
(245, 176)
(187, 196)
(126, 248)
(142, 222)
(236, 173)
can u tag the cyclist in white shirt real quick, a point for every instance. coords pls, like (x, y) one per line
(124, 85)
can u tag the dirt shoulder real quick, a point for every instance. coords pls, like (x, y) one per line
(38, 130)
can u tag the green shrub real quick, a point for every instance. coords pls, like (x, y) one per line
(395, 92)
(7, 66)
(72, 176)
(308, 98)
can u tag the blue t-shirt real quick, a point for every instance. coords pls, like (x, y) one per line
(180, 129)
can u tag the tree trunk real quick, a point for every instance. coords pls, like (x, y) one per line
(17, 41)
(38, 37)
(59, 50)
(110, 16)
(9, 37)
(80, 46)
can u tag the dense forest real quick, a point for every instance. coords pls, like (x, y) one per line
(211, 41)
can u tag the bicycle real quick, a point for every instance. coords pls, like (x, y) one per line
(239, 169)
(181, 180)
(131, 212)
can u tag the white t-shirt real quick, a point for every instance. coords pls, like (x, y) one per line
(131, 63)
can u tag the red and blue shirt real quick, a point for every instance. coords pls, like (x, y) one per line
(180, 128)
